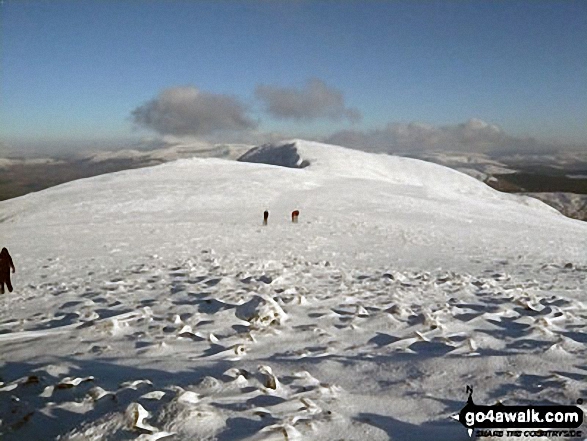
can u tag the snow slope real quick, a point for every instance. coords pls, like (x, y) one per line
(570, 204)
(153, 304)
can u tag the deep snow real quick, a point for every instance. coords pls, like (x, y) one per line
(153, 302)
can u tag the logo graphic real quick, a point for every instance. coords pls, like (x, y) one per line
(536, 420)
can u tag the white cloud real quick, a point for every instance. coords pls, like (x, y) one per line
(188, 111)
(315, 100)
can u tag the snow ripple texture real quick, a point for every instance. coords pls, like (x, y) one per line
(288, 350)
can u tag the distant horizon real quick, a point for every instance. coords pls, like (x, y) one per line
(476, 76)
(80, 148)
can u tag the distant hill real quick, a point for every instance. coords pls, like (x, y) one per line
(21, 176)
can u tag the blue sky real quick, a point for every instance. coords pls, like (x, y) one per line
(90, 72)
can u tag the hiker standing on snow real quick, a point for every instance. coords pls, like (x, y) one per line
(5, 266)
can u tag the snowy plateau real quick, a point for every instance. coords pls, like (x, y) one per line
(153, 304)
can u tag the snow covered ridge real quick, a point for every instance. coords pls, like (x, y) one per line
(172, 152)
(9, 162)
(356, 164)
(213, 186)
(340, 189)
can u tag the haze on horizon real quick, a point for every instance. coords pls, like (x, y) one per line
(475, 76)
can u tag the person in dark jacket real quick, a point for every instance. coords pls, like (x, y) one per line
(5, 266)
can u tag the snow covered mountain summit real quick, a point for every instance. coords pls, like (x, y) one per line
(362, 206)
(350, 163)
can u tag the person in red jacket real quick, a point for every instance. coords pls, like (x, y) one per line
(5, 266)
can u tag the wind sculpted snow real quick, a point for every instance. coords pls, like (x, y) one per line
(153, 304)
